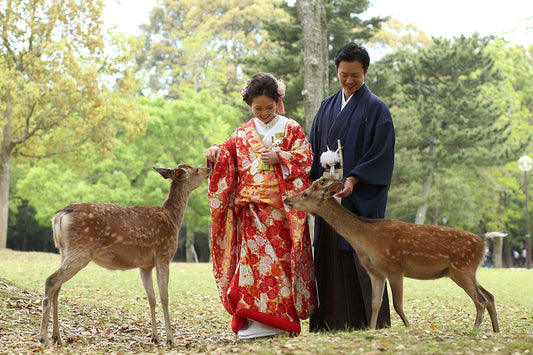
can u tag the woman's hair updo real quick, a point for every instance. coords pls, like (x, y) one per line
(263, 84)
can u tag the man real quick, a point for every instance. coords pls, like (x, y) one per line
(362, 123)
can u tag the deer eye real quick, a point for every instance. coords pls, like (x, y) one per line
(304, 194)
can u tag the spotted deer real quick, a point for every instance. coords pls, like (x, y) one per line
(392, 250)
(121, 238)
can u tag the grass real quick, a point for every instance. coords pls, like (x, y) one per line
(107, 312)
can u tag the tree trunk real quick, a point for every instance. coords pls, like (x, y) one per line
(312, 15)
(190, 253)
(4, 200)
(420, 217)
(422, 210)
(5, 157)
(497, 244)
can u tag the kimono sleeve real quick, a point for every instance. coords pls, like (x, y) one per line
(296, 153)
(224, 246)
(376, 163)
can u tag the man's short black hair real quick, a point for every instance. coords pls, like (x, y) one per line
(351, 52)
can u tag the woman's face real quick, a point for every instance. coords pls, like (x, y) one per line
(264, 108)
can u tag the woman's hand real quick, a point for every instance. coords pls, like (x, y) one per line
(270, 157)
(212, 153)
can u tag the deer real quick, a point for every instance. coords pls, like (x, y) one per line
(121, 238)
(391, 250)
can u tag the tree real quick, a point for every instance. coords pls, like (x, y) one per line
(177, 132)
(480, 198)
(394, 35)
(200, 43)
(286, 56)
(25, 233)
(312, 15)
(515, 92)
(52, 96)
(454, 120)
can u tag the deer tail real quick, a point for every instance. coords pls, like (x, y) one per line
(58, 227)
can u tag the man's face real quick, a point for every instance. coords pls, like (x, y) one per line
(351, 76)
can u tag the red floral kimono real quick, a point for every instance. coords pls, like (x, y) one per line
(261, 249)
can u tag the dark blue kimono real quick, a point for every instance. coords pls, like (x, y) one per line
(366, 132)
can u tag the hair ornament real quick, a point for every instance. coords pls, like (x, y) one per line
(281, 88)
(244, 90)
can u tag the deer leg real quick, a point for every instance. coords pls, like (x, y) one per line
(56, 338)
(469, 284)
(396, 285)
(162, 268)
(491, 308)
(44, 319)
(70, 266)
(146, 277)
(378, 285)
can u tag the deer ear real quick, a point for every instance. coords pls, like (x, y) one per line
(335, 187)
(180, 173)
(166, 173)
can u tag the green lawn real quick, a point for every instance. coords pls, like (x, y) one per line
(107, 312)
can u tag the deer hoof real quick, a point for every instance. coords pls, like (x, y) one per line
(56, 339)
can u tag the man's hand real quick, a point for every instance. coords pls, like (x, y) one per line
(347, 189)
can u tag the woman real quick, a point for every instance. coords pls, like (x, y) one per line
(260, 249)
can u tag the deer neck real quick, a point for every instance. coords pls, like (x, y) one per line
(342, 220)
(176, 202)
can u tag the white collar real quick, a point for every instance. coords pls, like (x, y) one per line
(345, 100)
(265, 127)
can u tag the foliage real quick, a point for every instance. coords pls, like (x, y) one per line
(194, 50)
(52, 69)
(199, 43)
(459, 123)
(394, 36)
(343, 25)
(61, 93)
(450, 124)
(177, 132)
(103, 311)
(475, 198)
(25, 233)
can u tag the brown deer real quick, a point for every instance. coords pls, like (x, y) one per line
(392, 250)
(121, 238)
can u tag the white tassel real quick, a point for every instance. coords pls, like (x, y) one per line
(329, 159)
